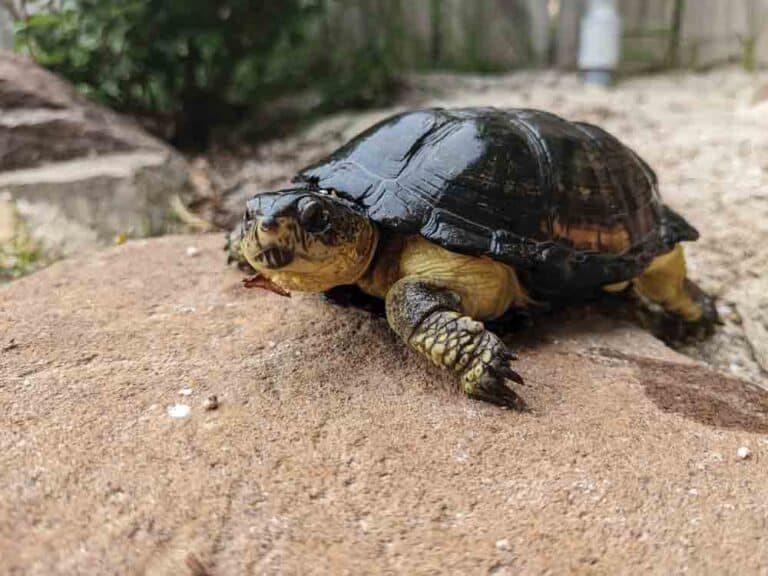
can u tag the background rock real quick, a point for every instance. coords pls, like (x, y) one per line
(334, 449)
(752, 305)
(78, 165)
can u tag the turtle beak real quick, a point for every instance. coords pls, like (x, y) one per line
(274, 257)
(263, 216)
(270, 253)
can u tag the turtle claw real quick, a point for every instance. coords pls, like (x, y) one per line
(508, 355)
(491, 387)
(510, 374)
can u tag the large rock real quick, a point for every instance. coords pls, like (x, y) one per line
(337, 450)
(752, 304)
(73, 165)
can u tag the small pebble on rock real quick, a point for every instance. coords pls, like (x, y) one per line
(211, 403)
(185, 391)
(744, 452)
(179, 411)
(502, 544)
(193, 251)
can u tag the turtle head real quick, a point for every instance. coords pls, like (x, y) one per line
(307, 240)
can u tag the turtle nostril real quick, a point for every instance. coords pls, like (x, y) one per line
(268, 225)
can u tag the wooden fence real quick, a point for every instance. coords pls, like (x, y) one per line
(483, 35)
(471, 35)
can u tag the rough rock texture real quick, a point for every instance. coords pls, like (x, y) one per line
(336, 450)
(706, 135)
(752, 299)
(45, 120)
(76, 166)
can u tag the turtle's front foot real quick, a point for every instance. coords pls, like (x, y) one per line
(464, 345)
(426, 318)
(489, 371)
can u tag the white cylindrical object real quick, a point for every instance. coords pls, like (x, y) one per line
(600, 38)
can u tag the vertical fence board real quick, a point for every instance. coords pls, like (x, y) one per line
(708, 35)
(567, 38)
(538, 16)
(756, 24)
(648, 33)
(489, 35)
(6, 29)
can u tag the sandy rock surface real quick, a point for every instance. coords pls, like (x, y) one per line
(706, 135)
(334, 449)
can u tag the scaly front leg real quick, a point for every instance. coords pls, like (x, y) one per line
(428, 319)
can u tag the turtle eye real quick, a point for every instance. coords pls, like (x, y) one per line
(312, 216)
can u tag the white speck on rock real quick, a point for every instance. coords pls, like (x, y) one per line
(186, 391)
(502, 544)
(743, 452)
(193, 251)
(179, 411)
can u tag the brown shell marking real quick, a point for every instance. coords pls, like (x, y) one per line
(597, 237)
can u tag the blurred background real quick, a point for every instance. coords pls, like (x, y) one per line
(190, 68)
(130, 118)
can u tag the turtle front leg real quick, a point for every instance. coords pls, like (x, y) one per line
(428, 319)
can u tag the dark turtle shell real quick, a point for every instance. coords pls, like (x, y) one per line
(564, 202)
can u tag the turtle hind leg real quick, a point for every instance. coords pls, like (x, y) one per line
(428, 319)
(673, 306)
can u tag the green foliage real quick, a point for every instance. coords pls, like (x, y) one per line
(202, 62)
(19, 258)
(749, 53)
(19, 253)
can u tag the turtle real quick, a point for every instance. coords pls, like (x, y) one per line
(453, 217)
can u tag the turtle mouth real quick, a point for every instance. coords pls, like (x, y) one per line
(275, 257)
